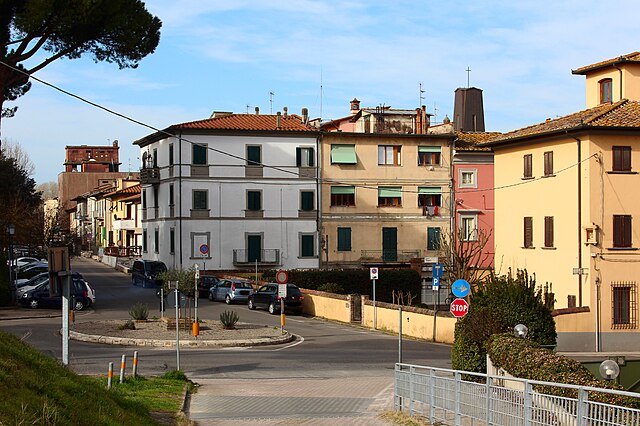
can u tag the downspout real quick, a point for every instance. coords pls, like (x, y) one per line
(579, 187)
(180, 191)
(319, 197)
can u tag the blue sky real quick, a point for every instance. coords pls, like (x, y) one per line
(227, 55)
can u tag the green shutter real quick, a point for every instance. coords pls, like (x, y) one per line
(199, 200)
(253, 200)
(343, 154)
(253, 155)
(306, 200)
(199, 154)
(343, 190)
(433, 238)
(344, 239)
(429, 149)
(307, 246)
(431, 190)
(390, 192)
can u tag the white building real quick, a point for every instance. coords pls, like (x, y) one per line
(231, 192)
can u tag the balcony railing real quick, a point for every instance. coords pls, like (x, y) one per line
(150, 175)
(389, 255)
(131, 251)
(262, 257)
(124, 224)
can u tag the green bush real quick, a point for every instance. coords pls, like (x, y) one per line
(128, 325)
(496, 306)
(175, 375)
(139, 311)
(331, 288)
(228, 319)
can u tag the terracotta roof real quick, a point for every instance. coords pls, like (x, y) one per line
(622, 114)
(290, 123)
(631, 57)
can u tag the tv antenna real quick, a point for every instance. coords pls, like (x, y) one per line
(271, 94)
(468, 70)
(248, 106)
(421, 97)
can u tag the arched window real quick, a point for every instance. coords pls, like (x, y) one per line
(605, 90)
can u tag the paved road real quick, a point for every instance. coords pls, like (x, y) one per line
(332, 370)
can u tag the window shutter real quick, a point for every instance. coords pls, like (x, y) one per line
(199, 153)
(344, 239)
(528, 232)
(306, 200)
(298, 157)
(311, 154)
(307, 245)
(253, 200)
(548, 231)
(433, 238)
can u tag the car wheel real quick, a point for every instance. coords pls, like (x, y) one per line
(250, 305)
(227, 300)
(272, 308)
(210, 296)
(33, 303)
(78, 305)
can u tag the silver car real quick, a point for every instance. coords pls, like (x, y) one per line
(231, 291)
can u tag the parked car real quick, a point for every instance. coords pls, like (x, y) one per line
(30, 270)
(267, 297)
(205, 283)
(30, 284)
(145, 272)
(82, 295)
(21, 261)
(231, 291)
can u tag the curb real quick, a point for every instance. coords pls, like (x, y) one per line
(91, 338)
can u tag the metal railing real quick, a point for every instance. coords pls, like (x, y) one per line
(389, 255)
(444, 396)
(150, 175)
(262, 257)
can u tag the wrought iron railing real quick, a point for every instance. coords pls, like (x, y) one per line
(150, 175)
(261, 257)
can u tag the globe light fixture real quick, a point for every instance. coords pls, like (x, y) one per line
(520, 331)
(609, 369)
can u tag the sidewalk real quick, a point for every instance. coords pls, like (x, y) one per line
(17, 313)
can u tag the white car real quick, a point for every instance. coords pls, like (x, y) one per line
(21, 261)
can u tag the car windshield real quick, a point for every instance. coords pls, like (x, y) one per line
(157, 267)
(293, 290)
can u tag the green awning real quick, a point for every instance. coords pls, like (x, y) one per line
(429, 149)
(343, 154)
(390, 192)
(432, 190)
(343, 190)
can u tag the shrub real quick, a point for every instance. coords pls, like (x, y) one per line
(497, 305)
(128, 325)
(139, 311)
(331, 288)
(175, 375)
(228, 319)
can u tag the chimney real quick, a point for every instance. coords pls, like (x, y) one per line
(115, 143)
(286, 111)
(278, 120)
(355, 106)
(257, 110)
(305, 115)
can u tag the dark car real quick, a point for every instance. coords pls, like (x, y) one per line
(231, 291)
(81, 296)
(205, 283)
(30, 270)
(267, 297)
(145, 272)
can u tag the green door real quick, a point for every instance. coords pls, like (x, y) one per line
(389, 244)
(254, 248)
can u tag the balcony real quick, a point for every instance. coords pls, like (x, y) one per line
(150, 176)
(390, 255)
(132, 251)
(267, 257)
(124, 225)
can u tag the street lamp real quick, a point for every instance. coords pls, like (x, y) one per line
(11, 231)
(609, 370)
(520, 331)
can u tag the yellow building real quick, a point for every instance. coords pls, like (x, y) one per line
(566, 208)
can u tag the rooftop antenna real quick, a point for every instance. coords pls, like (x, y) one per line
(421, 95)
(435, 112)
(320, 94)
(468, 70)
(271, 103)
(248, 106)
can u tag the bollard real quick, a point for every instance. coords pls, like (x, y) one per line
(123, 364)
(110, 375)
(72, 317)
(195, 329)
(135, 364)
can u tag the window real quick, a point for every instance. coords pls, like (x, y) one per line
(467, 178)
(468, 227)
(199, 199)
(433, 238)
(144, 240)
(306, 201)
(605, 90)
(429, 196)
(429, 155)
(389, 155)
(307, 243)
(171, 194)
(624, 305)
(343, 154)
(155, 157)
(156, 204)
(170, 154)
(548, 163)
(390, 196)
(199, 154)
(254, 155)
(528, 232)
(144, 198)
(621, 230)
(254, 200)
(528, 166)
(156, 239)
(172, 240)
(304, 157)
(343, 196)
(621, 158)
(548, 231)
(344, 239)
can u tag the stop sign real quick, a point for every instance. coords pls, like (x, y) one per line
(459, 308)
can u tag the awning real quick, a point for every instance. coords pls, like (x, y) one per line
(431, 190)
(390, 192)
(343, 154)
(343, 190)
(429, 149)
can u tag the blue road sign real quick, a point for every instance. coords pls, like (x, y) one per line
(437, 270)
(435, 284)
(460, 288)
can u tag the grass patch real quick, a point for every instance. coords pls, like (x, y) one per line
(36, 389)
(403, 419)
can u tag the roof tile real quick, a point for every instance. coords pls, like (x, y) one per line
(630, 57)
(248, 122)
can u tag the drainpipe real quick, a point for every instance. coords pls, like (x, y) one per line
(620, 71)
(579, 145)
(319, 196)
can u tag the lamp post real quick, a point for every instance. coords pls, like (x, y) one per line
(520, 331)
(11, 231)
(609, 370)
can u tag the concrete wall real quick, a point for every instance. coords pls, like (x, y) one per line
(335, 307)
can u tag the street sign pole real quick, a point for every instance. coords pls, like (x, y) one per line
(375, 319)
(196, 292)
(65, 318)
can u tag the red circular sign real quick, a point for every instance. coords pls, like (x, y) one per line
(459, 308)
(282, 276)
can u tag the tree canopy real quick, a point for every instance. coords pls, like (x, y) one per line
(35, 33)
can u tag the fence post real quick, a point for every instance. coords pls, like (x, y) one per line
(528, 406)
(583, 397)
(110, 375)
(432, 397)
(488, 405)
(457, 397)
(123, 363)
(135, 364)
(412, 371)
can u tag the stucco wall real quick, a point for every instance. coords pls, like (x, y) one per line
(326, 305)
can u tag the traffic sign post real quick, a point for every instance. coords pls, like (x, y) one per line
(438, 268)
(459, 308)
(460, 288)
(282, 276)
(435, 283)
(373, 274)
(204, 249)
(282, 294)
